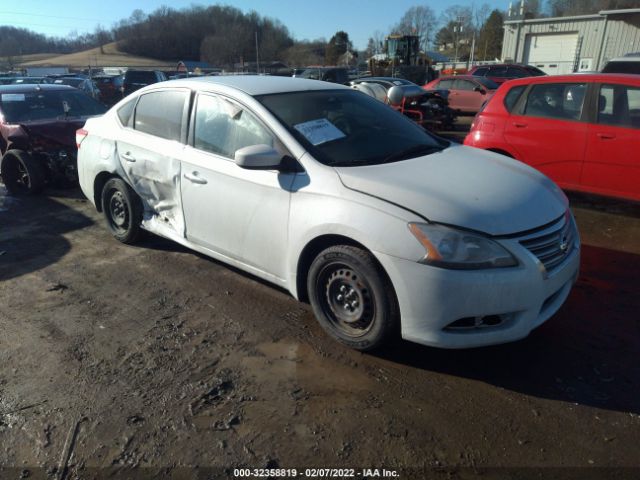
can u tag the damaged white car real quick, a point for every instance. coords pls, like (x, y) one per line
(336, 197)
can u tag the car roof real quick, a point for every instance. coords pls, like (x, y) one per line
(627, 58)
(385, 79)
(255, 84)
(582, 77)
(33, 87)
(460, 77)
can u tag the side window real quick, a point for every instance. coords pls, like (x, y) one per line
(161, 113)
(464, 85)
(445, 84)
(125, 112)
(512, 96)
(222, 127)
(619, 105)
(554, 100)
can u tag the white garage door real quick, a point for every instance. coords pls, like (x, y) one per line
(552, 53)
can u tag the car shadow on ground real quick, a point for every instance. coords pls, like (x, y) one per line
(31, 233)
(586, 354)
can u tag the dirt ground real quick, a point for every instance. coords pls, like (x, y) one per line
(155, 362)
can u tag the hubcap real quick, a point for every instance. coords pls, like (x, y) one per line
(348, 302)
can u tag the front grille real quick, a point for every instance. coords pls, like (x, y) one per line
(551, 248)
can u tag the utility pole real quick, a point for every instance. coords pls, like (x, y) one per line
(257, 59)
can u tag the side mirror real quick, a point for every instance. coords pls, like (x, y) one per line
(258, 157)
(480, 89)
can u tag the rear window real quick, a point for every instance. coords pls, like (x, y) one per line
(535, 72)
(42, 105)
(481, 72)
(512, 96)
(161, 113)
(622, 67)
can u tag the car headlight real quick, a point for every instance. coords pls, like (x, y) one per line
(450, 248)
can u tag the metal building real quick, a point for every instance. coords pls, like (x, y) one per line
(572, 44)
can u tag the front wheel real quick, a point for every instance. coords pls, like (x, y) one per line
(352, 298)
(22, 174)
(123, 210)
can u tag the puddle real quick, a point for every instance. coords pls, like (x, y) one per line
(6, 201)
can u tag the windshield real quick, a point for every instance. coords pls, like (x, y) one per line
(74, 82)
(349, 128)
(487, 82)
(41, 105)
(622, 67)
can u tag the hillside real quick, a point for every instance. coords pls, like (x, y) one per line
(111, 57)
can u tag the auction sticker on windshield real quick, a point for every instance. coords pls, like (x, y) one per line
(319, 131)
(13, 97)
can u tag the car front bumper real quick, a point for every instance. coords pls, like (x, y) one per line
(514, 300)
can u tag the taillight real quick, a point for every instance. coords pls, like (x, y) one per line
(80, 136)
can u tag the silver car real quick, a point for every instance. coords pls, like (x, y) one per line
(343, 201)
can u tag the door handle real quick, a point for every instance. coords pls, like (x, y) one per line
(606, 136)
(195, 178)
(519, 124)
(128, 157)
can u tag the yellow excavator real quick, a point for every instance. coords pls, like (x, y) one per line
(403, 58)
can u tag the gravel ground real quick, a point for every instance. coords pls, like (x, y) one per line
(155, 362)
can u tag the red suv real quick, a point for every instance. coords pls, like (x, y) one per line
(500, 73)
(583, 131)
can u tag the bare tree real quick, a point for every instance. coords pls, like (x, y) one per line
(419, 20)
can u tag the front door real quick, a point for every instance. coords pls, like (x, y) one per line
(239, 213)
(548, 132)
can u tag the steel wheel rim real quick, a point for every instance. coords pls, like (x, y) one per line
(118, 211)
(346, 299)
(23, 176)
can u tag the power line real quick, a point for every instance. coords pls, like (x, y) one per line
(41, 25)
(49, 16)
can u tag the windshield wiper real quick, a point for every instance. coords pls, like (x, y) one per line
(411, 152)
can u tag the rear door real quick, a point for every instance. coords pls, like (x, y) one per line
(548, 132)
(612, 163)
(149, 149)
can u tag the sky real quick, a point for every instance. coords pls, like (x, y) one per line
(305, 19)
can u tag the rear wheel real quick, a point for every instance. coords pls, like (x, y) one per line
(123, 210)
(352, 298)
(22, 174)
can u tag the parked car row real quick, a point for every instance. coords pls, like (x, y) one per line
(374, 220)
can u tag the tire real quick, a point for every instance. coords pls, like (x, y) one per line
(22, 174)
(122, 209)
(352, 298)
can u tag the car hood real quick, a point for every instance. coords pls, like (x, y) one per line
(55, 132)
(464, 187)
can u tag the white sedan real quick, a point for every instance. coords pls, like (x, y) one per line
(343, 201)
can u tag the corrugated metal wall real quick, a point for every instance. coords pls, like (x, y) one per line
(602, 37)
